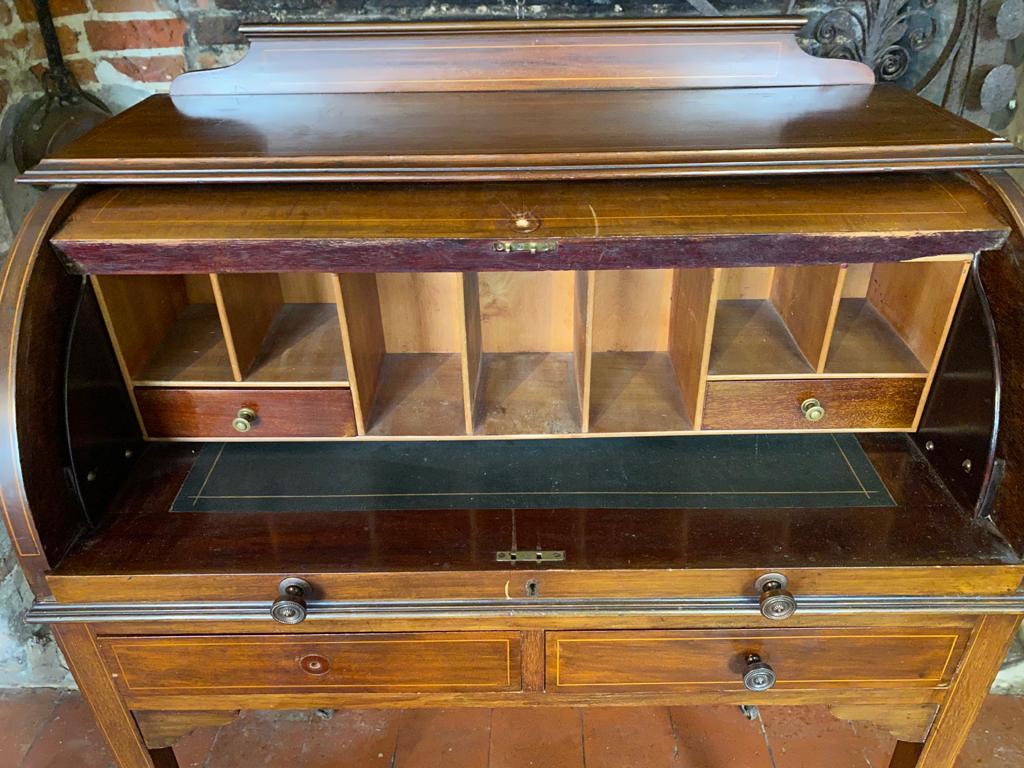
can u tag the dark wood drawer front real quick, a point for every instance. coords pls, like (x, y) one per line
(582, 662)
(168, 412)
(889, 403)
(404, 662)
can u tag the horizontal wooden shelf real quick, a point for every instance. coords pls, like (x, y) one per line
(527, 393)
(192, 350)
(864, 342)
(302, 345)
(419, 394)
(636, 392)
(750, 337)
(523, 135)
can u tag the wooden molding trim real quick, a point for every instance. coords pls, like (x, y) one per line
(422, 57)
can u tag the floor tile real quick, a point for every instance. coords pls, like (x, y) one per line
(997, 740)
(799, 736)
(453, 738)
(630, 737)
(69, 738)
(193, 749)
(536, 738)
(719, 737)
(350, 738)
(24, 714)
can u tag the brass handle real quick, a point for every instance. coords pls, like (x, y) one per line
(290, 605)
(244, 420)
(759, 675)
(813, 410)
(776, 602)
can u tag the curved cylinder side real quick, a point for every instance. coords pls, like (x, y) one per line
(1002, 277)
(37, 300)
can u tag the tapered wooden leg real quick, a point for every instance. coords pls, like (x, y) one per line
(984, 654)
(112, 716)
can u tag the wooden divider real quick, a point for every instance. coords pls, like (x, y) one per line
(694, 307)
(583, 342)
(532, 353)
(247, 304)
(807, 300)
(362, 334)
(472, 351)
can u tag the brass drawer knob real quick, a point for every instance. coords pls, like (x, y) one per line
(244, 420)
(812, 409)
(759, 675)
(775, 601)
(290, 605)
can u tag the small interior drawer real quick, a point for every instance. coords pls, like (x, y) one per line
(399, 662)
(169, 412)
(582, 662)
(882, 403)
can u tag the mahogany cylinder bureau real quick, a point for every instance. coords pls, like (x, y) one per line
(503, 364)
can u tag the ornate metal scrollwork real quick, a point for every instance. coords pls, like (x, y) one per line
(885, 34)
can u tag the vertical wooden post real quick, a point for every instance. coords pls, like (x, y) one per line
(981, 660)
(112, 716)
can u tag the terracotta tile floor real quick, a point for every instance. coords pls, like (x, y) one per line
(46, 729)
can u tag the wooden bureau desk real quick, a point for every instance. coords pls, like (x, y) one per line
(504, 364)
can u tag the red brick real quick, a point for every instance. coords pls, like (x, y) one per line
(149, 69)
(125, 6)
(27, 11)
(138, 33)
(83, 70)
(31, 38)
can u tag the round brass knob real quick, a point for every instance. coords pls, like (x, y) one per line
(290, 605)
(776, 602)
(244, 420)
(759, 675)
(812, 409)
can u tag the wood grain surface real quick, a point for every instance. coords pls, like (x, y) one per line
(600, 225)
(208, 413)
(675, 660)
(522, 55)
(523, 135)
(438, 662)
(889, 403)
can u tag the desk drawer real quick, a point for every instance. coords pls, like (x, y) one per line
(352, 663)
(585, 662)
(889, 403)
(181, 413)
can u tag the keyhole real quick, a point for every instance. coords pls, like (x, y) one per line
(532, 588)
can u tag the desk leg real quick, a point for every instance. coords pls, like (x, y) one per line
(112, 716)
(984, 654)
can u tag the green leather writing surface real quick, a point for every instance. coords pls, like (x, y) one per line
(723, 471)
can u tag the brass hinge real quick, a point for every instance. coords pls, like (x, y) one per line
(531, 556)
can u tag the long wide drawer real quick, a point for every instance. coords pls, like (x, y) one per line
(581, 662)
(168, 412)
(882, 403)
(381, 663)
